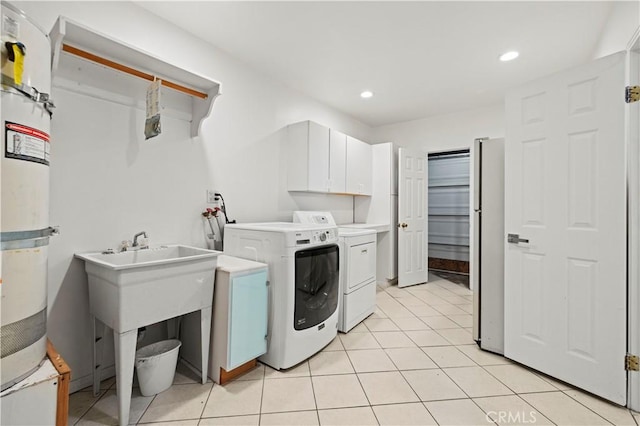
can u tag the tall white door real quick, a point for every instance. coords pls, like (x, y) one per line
(412, 218)
(565, 213)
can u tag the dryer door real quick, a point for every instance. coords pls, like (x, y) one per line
(316, 287)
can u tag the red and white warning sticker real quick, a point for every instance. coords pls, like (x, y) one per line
(26, 143)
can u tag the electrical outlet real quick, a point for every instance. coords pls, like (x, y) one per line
(211, 196)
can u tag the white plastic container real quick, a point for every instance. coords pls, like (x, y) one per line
(156, 366)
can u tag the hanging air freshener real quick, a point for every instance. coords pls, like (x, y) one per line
(152, 124)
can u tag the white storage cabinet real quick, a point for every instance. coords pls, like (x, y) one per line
(337, 162)
(239, 321)
(320, 159)
(359, 167)
(382, 208)
(308, 157)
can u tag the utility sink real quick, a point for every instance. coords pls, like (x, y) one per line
(148, 257)
(133, 289)
(139, 287)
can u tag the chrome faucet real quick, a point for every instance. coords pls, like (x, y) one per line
(135, 240)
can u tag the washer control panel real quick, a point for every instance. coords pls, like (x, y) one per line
(319, 236)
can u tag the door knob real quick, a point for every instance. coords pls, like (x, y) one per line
(402, 225)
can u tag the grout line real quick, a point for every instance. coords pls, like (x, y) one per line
(485, 412)
(538, 411)
(313, 392)
(264, 377)
(424, 404)
(102, 395)
(456, 383)
(145, 410)
(589, 408)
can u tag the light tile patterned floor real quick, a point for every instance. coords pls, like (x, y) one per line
(413, 362)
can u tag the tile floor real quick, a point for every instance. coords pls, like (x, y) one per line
(413, 362)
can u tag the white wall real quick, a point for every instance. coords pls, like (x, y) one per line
(448, 132)
(108, 183)
(622, 23)
(445, 132)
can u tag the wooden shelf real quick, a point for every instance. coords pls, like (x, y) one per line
(85, 59)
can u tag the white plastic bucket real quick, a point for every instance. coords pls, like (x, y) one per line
(156, 366)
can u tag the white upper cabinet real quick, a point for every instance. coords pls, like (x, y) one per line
(307, 157)
(337, 162)
(320, 159)
(359, 173)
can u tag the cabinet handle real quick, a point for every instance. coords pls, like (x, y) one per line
(364, 251)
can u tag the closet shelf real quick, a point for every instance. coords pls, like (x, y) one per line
(93, 60)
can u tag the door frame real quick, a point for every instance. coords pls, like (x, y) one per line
(471, 200)
(633, 225)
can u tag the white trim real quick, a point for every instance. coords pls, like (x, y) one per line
(79, 383)
(633, 191)
(634, 43)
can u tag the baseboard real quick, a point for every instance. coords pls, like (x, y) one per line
(387, 283)
(85, 381)
(449, 265)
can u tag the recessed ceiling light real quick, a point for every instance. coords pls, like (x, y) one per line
(366, 94)
(509, 56)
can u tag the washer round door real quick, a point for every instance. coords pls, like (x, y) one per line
(317, 274)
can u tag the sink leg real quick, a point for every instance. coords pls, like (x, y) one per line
(125, 348)
(172, 328)
(205, 335)
(98, 351)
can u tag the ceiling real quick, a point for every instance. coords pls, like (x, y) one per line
(418, 58)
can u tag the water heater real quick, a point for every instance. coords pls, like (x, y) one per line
(25, 116)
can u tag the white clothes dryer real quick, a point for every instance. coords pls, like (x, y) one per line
(304, 284)
(358, 275)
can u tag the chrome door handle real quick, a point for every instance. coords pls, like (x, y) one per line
(515, 239)
(402, 225)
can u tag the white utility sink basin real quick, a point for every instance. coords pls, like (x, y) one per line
(148, 257)
(134, 288)
(137, 288)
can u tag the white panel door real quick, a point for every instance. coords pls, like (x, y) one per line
(412, 218)
(565, 281)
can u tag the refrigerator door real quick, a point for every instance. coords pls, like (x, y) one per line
(491, 245)
(475, 275)
(488, 245)
(475, 237)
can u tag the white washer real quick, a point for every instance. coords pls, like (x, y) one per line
(304, 284)
(358, 271)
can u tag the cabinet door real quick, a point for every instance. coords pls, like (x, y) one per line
(359, 174)
(307, 157)
(337, 161)
(248, 318)
(318, 158)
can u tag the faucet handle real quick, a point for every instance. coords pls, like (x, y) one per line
(124, 246)
(143, 242)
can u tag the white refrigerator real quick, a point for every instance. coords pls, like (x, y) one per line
(488, 242)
